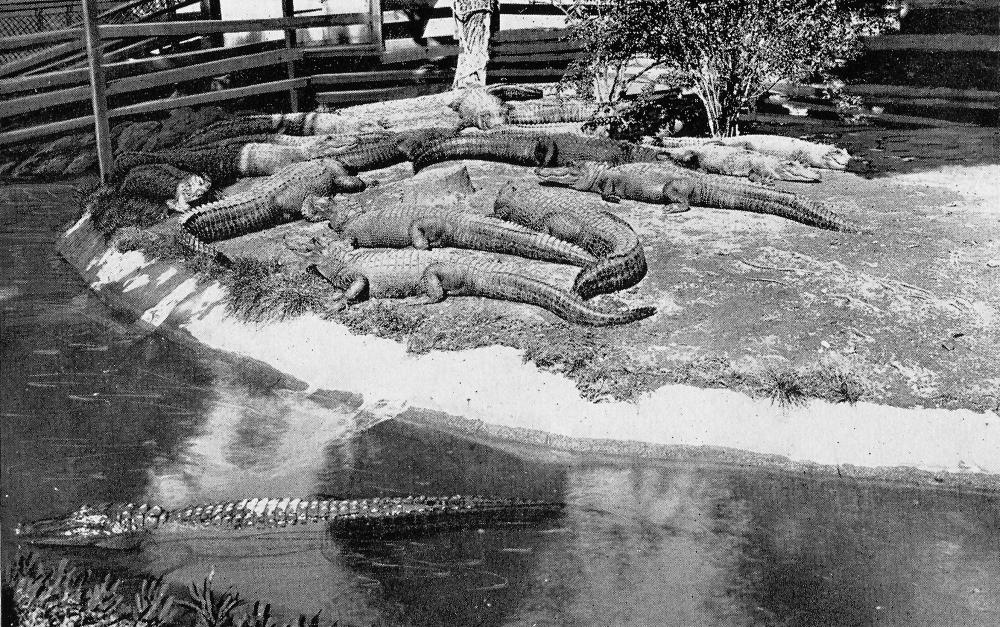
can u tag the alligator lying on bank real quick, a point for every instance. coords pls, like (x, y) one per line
(622, 261)
(524, 147)
(223, 163)
(785, 148)
(736, 161)
(530, 149)
(283, 123)
(390, 150)
(678, 189)
(425, 227)
(366, 274)
(126, 526)
(277, 199)
(165, 183)
(484, 109)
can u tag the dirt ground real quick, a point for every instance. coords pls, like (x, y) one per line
(905, 313)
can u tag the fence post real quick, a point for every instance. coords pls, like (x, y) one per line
(288, 10)
(375, 18)
(99, 100)
(212, 10)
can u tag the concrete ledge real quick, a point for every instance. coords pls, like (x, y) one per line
(491, 393)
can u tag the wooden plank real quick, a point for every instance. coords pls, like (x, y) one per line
(204, 27)
(30, 40)
(418, 76)
(556, 57)
(516, 35)
(38, 102)
(544, 47)
(17, 66)
(537, 74)
(375, 18)
(105, 156)
(291, 35)
(361, 96)
(407, 55)
(53, 128)
(949, 43)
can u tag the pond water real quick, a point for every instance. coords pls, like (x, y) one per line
(93, 410)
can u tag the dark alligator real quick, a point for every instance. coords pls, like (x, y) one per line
(284, 123)
(560, 149)
(126, 526)
(508, 93)
(275, 200)
(515, 148)
(390, 150)
(165, 183)
(425, 227)
(622, 261)
(223, 163)
(435, 274)
(678, 189)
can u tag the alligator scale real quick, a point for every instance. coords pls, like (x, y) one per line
(126, 526)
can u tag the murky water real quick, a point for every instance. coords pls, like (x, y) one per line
(94, 411)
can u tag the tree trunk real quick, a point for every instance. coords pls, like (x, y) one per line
(472, 30)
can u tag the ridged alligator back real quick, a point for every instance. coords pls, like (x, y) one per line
(220, 163)
(548, 112)
(157, 182)
(318, 123)
(228, 129)
(514, 148)
(568, 216)
(389, 150)
(572, 148)
(102, 525)
(394, 228)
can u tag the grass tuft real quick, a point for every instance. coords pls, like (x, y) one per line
(786, 387)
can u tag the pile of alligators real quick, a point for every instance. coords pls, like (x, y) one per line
(414, 249)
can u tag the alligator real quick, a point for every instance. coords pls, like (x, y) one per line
(530, 149)
(515, 92)
(163, 182)
(559, 149)
(786, 148)
(120, 526)
(284, 123)
(390, 150)
(551, 111)
(736, 161)
(622, 261)
(425, 227)
(224, 162)
(365, 274)
(678, 189)
(276, 199)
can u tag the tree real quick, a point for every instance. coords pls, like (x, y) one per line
(727, 52)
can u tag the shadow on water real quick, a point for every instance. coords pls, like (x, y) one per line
(93, 411)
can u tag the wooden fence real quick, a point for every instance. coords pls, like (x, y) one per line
(53, 81)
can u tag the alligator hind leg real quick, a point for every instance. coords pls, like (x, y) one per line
(349, 184)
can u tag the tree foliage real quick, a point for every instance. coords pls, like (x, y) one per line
(728, 52)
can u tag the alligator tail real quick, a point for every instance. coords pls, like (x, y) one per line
(768, 201)
(505, 285)
(611, 274)
(528, 150)
(495, 235)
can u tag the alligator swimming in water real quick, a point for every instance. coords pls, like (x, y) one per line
(424, 227)
(127, 526)
(274, 200)
(678, 189)
(435, 274)
(785, 148)
(622, 261)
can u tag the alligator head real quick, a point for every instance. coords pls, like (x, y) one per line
(836, 159)
(87, 526)
(798, 172)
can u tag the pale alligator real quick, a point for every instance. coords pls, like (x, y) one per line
(277, 199)
(622, 261)
(678, 189)
(127, 526)
(737, 161)
(223, 163)
(283, 123)
(165, 183)
(523, 147)
(785, 148)
(390, 150)
(366, 274)
(425, 227)
(515, 148)
(552, 111)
